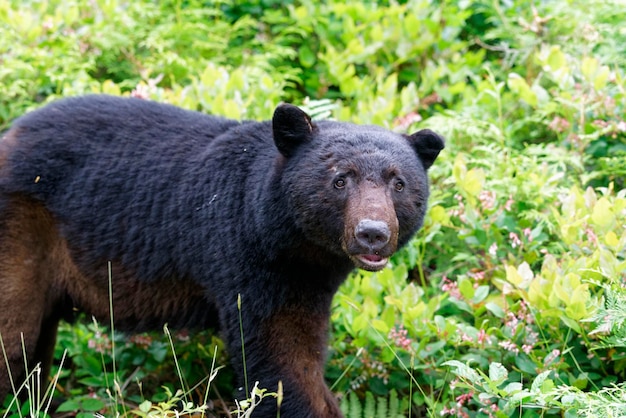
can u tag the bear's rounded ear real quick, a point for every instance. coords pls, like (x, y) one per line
(291, 127)
(427, 145)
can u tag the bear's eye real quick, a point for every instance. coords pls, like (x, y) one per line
(340, 183)
(399, 186)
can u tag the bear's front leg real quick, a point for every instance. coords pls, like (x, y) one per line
(290, 346)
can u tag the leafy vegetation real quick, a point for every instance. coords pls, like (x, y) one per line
(510, 302)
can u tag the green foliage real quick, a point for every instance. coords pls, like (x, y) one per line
(246, 407)
(509, 302)
(542, 394)
(610, 317)
(146, 367)
(373, 407)
(174, 401)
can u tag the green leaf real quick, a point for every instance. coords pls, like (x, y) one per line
(92, 404)
(611, 239)
(70, 405)
(145, 406)
(519, 86)
(513, 387)
(95, 381)
(581, 381)
(520, 276)
(602, 214)
(588, 67)
(380, 326)
(577, 307)
(495, 309)
(473, 181)
(400, 272)
(497, 373)
(556, 58)
(525, 364)
(480, 294)
(307, 56)
(538, 382)
(359, 323)
(594, 73)
(464, 371)
(439, 215)
(466, 287)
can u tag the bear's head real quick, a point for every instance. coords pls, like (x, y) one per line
(357, 191)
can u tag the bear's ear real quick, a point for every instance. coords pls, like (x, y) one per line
(291, 127)
(427, 145)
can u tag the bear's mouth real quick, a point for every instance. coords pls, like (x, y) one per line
(370, 262)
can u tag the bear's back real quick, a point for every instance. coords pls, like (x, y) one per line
(112, 171)
(110, 135)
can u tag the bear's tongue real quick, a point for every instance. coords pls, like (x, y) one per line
(372, 258)
(371, 262)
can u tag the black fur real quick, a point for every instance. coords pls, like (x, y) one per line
(215, 209)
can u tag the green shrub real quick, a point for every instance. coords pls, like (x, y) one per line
(508, 303)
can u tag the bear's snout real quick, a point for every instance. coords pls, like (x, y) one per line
(373, 235)
(372, 239)
(371, 229)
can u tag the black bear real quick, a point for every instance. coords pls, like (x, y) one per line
(193, 212)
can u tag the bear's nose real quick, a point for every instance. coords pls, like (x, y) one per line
(371, 234)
